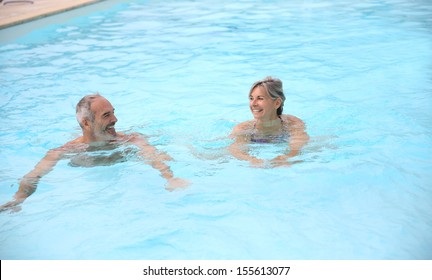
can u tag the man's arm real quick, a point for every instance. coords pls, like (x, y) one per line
(157, 160)
(28, 183)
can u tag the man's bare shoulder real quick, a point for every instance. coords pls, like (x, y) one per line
(135, 138)
(78, 140)
(75, 145)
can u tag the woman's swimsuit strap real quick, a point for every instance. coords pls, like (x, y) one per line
(283, 137)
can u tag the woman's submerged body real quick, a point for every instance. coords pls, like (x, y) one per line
(266, 101)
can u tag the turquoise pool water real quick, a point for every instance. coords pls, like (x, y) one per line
(358, 74)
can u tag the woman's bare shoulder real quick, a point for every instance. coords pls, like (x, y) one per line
(244, 126)
(292, 120)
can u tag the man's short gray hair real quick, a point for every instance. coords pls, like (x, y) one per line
(83, 111)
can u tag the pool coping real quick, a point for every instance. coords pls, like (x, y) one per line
(12, 14)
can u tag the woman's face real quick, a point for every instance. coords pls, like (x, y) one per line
(262, 106)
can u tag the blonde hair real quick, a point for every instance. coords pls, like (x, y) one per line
(273, 87)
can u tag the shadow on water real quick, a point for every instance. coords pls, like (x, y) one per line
(102, 155)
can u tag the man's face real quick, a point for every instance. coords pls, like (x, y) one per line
(103, 125)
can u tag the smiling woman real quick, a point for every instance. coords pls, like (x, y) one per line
(266, 100)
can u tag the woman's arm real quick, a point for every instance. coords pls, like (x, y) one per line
(239, 147)
(298, 139)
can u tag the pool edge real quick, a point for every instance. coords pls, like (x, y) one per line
(43, 12)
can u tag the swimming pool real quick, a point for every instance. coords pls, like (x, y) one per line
(358, 74)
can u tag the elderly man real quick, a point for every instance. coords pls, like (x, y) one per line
(95, 114)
